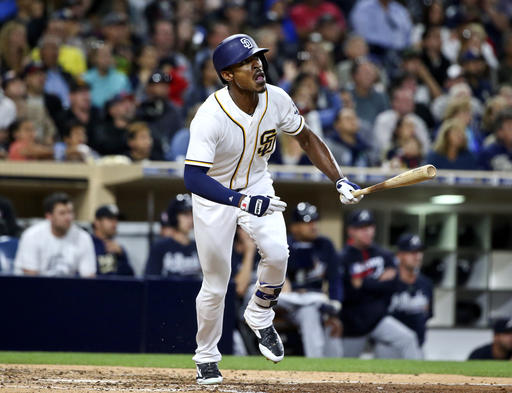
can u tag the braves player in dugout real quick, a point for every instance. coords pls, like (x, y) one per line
(231, 138)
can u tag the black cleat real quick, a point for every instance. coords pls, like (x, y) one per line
(270, 343)
(208, 374)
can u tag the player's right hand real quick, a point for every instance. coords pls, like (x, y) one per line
(261, 205)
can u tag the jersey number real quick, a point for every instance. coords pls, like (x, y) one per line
(267, 142)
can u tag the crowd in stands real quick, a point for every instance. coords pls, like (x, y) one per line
(395, 83)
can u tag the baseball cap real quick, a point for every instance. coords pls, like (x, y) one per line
(31, 67)
(160, 77)
(409, 242)
(503, 325)
(360, 218)
(119, 97)
(180, 204)
(305, 212)
(107, 211)
(78, 84)
(114, 18)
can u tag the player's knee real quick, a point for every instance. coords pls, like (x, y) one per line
(407, 339)
(276, 255)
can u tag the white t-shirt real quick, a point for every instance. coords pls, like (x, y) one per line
(66, 256)
(235, 145)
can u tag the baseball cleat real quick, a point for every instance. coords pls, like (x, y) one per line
(270, 343)
(208, 374)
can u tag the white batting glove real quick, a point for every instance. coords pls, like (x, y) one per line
(275, 205)
(345, 188)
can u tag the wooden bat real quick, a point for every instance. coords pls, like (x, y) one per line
(412, 176)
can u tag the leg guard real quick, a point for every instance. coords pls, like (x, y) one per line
(266, 295)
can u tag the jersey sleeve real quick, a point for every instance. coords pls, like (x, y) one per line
(290, 120)
(204, 135)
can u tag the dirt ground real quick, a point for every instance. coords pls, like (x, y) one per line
(79, 379)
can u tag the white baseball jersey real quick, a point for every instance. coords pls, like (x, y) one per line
(66, 256)
(235, 145)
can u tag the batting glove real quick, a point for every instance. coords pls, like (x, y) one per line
(261, 205)
(345, 188)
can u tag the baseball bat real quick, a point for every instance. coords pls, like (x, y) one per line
(412, 176)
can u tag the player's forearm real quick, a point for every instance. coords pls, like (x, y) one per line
(319, 154)
(199, 183)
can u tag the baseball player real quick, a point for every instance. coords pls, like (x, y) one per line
(369, 282)
(231, 138)
(411, 302)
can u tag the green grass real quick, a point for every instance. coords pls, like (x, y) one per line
(473, 368)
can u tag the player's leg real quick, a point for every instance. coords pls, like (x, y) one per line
(353, 347)
(333, 346)
(385, 351)
(399, 337)
(311, 330)
(214, 228)
(269, 234)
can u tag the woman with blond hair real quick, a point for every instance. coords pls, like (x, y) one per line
(450, 149)
(460, 108)
(14, 48)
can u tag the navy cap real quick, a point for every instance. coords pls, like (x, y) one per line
(305, 212)
(119, 97)
(182, 203)
(360, 218)
(409, 242)
(160, 77)
(503, 325)
(107, 211)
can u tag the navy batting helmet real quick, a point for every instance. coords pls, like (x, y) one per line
(181, 204)
(305, 212)
(235, 49)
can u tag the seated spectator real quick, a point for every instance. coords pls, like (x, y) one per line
(426, 87)
(111, 257)
(163, 118)
(493, 106)
(498, 155)
(74, 145)
(406, 150)
(432, 53)
(459, 108)
(402, 104)
(501, 346)
(306, 14)
(288, 152)
(140, 142)
(105, 81)
(411, 302)
(451, 148)
(346, 144)
(477, 74)
(369, 282)
(368, 101)
(175, 254)
(15, 89)
(110, 137)
(146, 63)
(24, 146)
(7, 114)
(311, 264)
(56, 246)
(9, 233)
(14, 47)
(455, 87)
(44, 109)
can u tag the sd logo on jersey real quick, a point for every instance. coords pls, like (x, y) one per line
(267, 142)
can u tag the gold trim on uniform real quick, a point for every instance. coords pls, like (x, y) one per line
(256, 140)
(298, 129)
(243, 147)
(203, 163)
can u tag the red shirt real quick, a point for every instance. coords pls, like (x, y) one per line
(305, 17)
(15, 151)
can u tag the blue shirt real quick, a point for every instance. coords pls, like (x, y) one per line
(169, 258)
(389, 28)
(496, 157)
(104, 87)
(56, 84)
(108, 263)
(311, 263)
(465, 160)
(412, 305)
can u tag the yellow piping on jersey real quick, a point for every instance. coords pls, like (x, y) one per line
(256, 141)
(297, 130)
(243, 147)
(198, 162)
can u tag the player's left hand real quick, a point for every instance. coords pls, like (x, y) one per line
(345, 188)
(261, 205)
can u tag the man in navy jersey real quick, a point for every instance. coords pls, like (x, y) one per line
(501, 346)
(312, 264)
(369, 282)
(111, 257)
(175, 254)
(411, 302)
